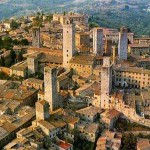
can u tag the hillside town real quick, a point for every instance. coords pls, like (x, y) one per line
(67, 86)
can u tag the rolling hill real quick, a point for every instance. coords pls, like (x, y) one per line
(109, 13)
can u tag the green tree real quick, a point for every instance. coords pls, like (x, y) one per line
(93, 24)
(16, 42)
(20, 56)
(2, 62)
(8, 62)
(14, 25)
(64, 13)
(6, 43)
(7, 40)
(24, 42)
(12, 56)
(49, 18)
(129, 141)
(3, 76)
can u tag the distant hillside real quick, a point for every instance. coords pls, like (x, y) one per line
(10, 8)
(110, 13)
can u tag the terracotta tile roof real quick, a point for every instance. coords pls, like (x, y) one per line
(143, 144)
(139, 45)
(64, 145)
(113, 113)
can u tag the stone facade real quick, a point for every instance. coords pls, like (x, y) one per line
(42, 110)
(132, 77)
(50, 85)
(20, 69)
(98, 41)
(32, 63)
(68, 42)
(139, 49)
(123, 44)
(82, 39)
(36, 37)
(106, 82)
(72, 16)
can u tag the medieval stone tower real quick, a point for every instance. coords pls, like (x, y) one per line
(32, 63)
(42, 110)
(98, 41)
(36, 42)
(123, 44)
(50, 85)
(68, 42)
(106, 82)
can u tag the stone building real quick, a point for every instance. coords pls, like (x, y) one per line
(82, 39)
(83, 64)
(36, 37)
(113, 35)
(108, 46)
(98, 41)
(34, 83)
(46, 55)
(42, 110)
(50, 85)
(106, 82)
(63, 82)
(72, 16)
(139, 49)
(12, 122)
(110, 140)
(20, 69)
(144, 63)
(142, 40)
(132, 77)
(123, 44)
(32, 63)
(13, 90)
(143, 144)
(68, 42)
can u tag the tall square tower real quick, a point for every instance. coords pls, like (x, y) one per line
(68, 42)
(106, 82)
(36, 42)
(50, 86)
(123, 44)
(98, 41)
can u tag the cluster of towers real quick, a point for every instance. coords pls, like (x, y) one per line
(69, 50)
(106, 70)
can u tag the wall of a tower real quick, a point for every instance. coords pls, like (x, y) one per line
(123, 44)
(36, 37)
(50, 86)
(106, 83)
(98, 41)
(32, 65)
(42, 110)
(68, 43)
